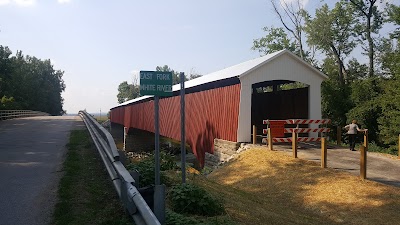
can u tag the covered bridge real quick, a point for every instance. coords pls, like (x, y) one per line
(225, 104)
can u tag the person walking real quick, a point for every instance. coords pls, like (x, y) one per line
(352, 133)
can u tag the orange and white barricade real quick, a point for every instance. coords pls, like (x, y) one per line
(278, 130)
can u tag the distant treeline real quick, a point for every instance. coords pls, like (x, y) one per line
(27, 82)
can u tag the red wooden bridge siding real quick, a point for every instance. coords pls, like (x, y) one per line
(210, 114)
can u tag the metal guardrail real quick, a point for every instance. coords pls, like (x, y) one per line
(12, 114)
(122, 180)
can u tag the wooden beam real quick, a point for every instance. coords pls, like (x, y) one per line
(323, 153)
(363, 162)
(271, 147)
(254, 134)
(294, 144)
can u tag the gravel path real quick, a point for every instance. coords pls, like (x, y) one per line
(380, 167)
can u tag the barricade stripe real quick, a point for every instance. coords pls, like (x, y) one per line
(300, 139)
(306, 130)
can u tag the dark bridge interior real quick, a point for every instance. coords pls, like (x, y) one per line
(278, 100)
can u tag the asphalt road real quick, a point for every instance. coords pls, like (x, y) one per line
(380, 167)
(31, 156)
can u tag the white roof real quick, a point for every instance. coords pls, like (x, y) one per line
(233, 71)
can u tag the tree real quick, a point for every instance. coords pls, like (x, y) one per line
(127, 92)
(336, 101)
(393, 13)
(276, 39)
(193, 74)
(389, 100)
(331, 32)
(390, 48)
(294, 23)
(5, 76)
(30, 83)
(175, 75)
(369, 21)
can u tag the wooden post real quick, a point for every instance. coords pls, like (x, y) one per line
(323, 152)
(270, 140)
(339, 135)
(399, 147)
(366, 140)
(363, 162)
(294, 144)
(254, 134)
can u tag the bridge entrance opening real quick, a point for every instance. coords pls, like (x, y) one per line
(278, 100)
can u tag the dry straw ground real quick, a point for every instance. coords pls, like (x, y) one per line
(270, 187)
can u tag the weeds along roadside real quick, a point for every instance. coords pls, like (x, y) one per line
(85, 193)
(186, 204)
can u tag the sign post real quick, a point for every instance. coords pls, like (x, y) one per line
(183, 147)
(157, 83)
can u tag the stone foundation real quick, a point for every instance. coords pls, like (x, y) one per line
(224, 151)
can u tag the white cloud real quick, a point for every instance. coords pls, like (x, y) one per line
(63, 1)
(4, 2)
(25, 2)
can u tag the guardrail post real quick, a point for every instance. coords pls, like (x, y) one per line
(271, 147)
(363, 162)
(110, 123)
(339, 135)
(159, 203)
(254, 134)
(323, 152)
(294, 143)
(125, 134)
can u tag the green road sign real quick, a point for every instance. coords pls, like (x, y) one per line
(155, 83)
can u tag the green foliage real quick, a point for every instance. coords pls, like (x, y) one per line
(27, 82)
(373, 147)
(369, 20)
(331, 32)
(85, 193)
(127, 92)
(367, 109)
(173, 218)
(175, 75)
(192, 199)
(393, 13)
(336, 101)
(146, 168)
(276, 39)
(389, 121)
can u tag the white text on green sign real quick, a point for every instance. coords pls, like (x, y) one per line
(155, 83)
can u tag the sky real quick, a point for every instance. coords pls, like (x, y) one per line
(101, 43)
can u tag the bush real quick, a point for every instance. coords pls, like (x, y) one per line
(192, 199)
(146, 168)
(173, 218)
(373, 147)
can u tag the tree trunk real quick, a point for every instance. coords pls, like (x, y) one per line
(342, 71)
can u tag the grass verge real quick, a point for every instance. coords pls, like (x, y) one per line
(86, 194)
